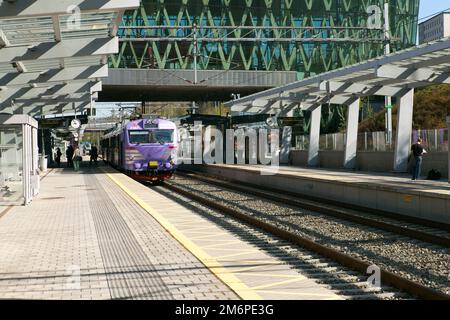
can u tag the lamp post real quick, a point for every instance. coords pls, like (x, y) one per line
(195, 53)
(387, 50)
(195, 62)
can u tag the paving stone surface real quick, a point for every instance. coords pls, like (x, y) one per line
(84, 238)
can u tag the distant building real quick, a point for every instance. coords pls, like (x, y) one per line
(435, 28)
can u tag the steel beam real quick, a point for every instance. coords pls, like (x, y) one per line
(246, 109)
(53, 75)
(4, 42)
(20, 67)
(63, 49)
(360, 89)
(56, 28)
(27, 8)
(288, 110)
(259, 103)
(40, 109)
(54, 90)
(411, 74)
(441, 59)
(55, 99)
(363, 71)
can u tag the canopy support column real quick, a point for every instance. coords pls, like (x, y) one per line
(351, 144)
(448, 125)
(314, 137)
(286, 145)
(404, 131)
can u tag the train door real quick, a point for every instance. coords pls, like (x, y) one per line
(108, 152)
(121, 151)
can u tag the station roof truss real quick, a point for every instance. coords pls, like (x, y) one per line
(53, 54)
(389, 75)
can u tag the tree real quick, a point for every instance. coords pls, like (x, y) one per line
(431, 107)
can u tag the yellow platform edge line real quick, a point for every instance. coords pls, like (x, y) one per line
(230, 280)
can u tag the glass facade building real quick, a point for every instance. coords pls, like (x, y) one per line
(306, 36)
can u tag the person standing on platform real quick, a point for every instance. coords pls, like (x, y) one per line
(69, 156)
(418, 151)
(58, 157)
(94, 155)
(76, 158)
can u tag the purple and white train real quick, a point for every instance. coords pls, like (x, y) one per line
(144, 149)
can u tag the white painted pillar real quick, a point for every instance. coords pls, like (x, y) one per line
(286, 142)
(404, 131)
(448, 126)
(351, 145)
(314, 137)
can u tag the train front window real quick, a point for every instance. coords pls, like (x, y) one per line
(137, 137)
(161, 136)
(153, 136)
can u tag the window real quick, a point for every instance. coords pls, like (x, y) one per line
(152, 136)
(139, 136)
(161, 136)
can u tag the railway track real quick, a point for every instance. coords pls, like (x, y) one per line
(283, 228)
(345, 282)
(401, 225)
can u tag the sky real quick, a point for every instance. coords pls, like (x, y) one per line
(428, 7)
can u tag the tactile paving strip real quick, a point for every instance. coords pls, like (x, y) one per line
(130, 273)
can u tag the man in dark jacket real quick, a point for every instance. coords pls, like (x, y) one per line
(69, 155)
(418, 151)
(94, 155)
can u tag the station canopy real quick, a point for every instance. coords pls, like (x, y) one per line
(390, 75)
(53, 54)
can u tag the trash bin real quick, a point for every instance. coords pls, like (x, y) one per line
(43, 163)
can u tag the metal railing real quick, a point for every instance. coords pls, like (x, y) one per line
(435, 140)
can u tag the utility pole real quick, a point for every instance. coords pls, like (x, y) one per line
(195, 53)
(387, 50)
(195, 63)
(121, 113)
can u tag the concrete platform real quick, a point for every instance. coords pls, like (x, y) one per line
(98, 234)
(429, 200)
(84, 238)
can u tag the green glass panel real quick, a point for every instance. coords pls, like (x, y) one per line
(270, 40)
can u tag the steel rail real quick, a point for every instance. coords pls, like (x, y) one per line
(399, 217)
(342, 258)
(328, 210)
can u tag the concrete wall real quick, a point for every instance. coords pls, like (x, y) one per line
(327, 159)
(436, 161)
(371, 161)
(375, 161)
